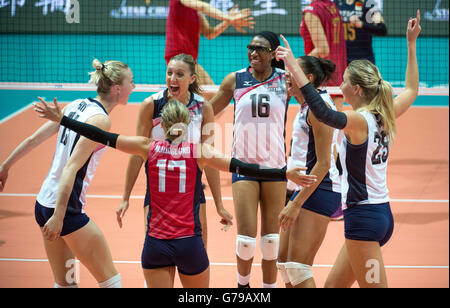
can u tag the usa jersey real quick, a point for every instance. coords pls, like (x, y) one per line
(80, 110)
(303, 151)
(260, 112)
(195, 108)
(365, 166)
(174, 182)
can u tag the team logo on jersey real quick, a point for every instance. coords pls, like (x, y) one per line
(358, 6)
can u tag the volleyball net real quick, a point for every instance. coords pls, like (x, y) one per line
(50, 44)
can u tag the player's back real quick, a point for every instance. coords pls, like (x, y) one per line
(174, 185)
(81, 110)
(182, 31)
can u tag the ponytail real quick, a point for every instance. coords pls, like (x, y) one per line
(322, 69)
(376, 91)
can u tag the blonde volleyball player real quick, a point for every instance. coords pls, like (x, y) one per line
(261, 103)
(59, 211)
(182, 85)
(369, 130)
(174, 235)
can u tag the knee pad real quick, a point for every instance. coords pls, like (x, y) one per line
(269, 246)
(298, 272)
(282, 270)
(245, 247)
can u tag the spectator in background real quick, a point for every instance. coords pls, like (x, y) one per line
(362, 20)
(323, 35)
(187, 20)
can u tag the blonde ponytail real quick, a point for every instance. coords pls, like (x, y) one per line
(376, 91)
(175, 117)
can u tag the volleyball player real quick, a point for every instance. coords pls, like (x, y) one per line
(174, 235)
(369, 130)
(261, 103)
(59, 210)
(182, 84)
(311, 207)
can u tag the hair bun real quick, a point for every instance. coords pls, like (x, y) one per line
(97, 65)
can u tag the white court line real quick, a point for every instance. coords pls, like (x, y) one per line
(254, 264)
(211, 198)
(12, 115)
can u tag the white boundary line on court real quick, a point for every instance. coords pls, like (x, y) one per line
(158, 87)
(254, 264)
(211, 198)
(12, 115)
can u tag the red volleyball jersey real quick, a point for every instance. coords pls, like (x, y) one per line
(331, 20)
(182, 31)
(174, 182)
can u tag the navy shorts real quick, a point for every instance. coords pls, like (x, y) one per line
(187, 254)
(238, 177)
(321, 201)
(369, 222)
(71, 223)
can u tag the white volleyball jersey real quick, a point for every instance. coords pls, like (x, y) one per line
(364, 166)
(260, 111)
(80, 110)
(195, 107)
(303, 150)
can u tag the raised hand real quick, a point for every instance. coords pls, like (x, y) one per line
(284, 53)
(47, 111)
(241, 19)
(414, 28)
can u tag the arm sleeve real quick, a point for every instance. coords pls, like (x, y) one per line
(320, 109)
(90, 131)
(254, 170)
(376, 29)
